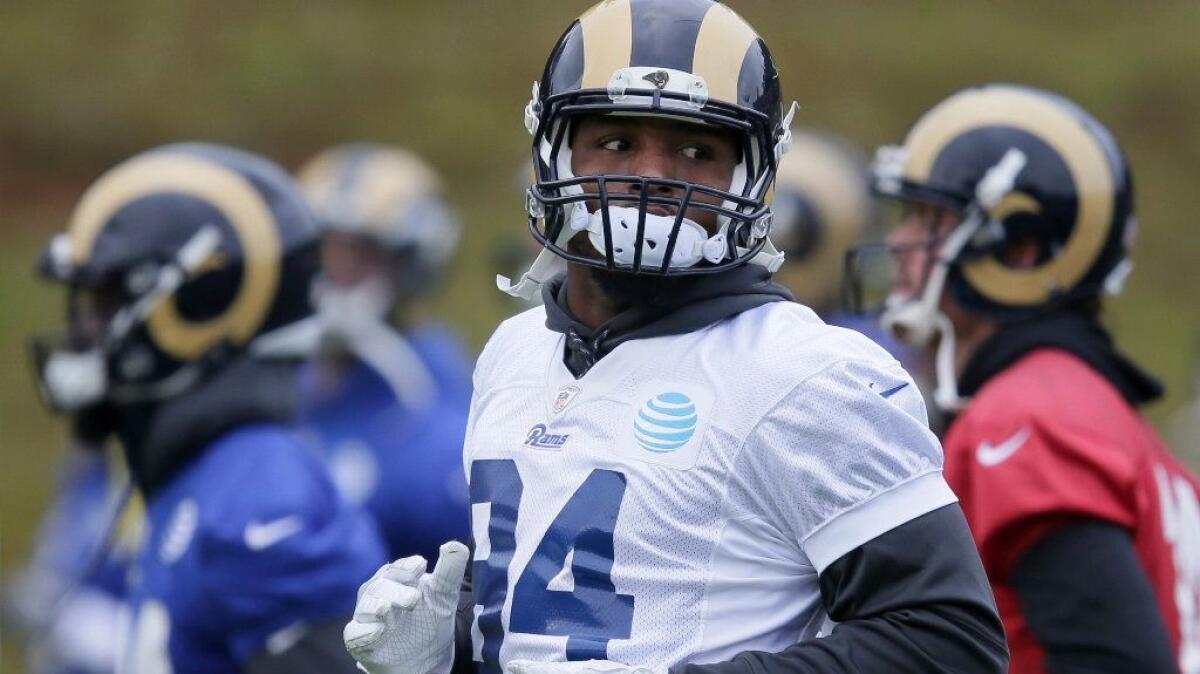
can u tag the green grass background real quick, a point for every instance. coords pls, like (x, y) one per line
(86, 84)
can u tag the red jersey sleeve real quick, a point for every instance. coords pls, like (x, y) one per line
(1021, 473)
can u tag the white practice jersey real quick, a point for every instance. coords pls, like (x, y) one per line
(678, 502)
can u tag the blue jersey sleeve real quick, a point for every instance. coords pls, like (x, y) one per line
(287, 550)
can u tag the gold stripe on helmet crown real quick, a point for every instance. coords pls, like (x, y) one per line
(1058, 128)
(389, 180)
(721, 48)
(607, 41)
(242, 207)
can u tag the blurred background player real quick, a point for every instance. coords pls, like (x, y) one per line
(386, 395)
(1018, 219)
(68, 601)
(823, 206)
(187, 270)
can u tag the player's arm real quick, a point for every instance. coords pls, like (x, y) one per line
(1089, 604)
(281, 565)
(914, 599)
(896, 563)
(312, 649)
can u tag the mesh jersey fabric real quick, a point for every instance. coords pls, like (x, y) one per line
(727, 467)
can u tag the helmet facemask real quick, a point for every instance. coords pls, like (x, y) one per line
(916, 318)
(623, 231)
(85, 366)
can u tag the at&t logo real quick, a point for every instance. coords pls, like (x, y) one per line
(665, 422)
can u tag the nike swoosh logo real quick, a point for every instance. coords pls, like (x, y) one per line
(262, 535)
(990, 455)
(893, 391)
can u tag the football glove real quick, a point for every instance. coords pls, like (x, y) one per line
(404, 619)
(587, 667)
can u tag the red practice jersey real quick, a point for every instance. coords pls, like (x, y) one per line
(1049, 441)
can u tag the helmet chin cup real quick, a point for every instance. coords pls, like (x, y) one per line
(348, 312)
(73, 380)
(912, 322)
(692, 243)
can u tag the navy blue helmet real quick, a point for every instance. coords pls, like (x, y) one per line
(176, 260)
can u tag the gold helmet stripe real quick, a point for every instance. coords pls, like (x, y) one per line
(318, 179)
(1015, 202)
(607, 41)
(1083, 155)
(243, 208)
(368, 196)
(388, 184)
(721, 48)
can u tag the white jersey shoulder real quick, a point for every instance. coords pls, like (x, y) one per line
(516, 339)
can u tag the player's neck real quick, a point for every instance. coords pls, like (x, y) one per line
(968, 339)
(586, 300)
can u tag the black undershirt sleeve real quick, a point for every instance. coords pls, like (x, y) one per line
(1089, 604)
(914, 599)
(320, 651)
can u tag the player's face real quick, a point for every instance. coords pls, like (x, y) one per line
(89, 311)
(915, 244)
(348, 260)
(656, 148)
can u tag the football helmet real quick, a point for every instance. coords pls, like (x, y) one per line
(1016, 163)
(391, 197)
(822, 206)
(696, 61)
(176, 260)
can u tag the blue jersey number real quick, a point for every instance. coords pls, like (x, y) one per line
(586, 607)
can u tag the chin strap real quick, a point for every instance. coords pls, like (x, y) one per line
(769, 257)
(917, 322)
(393, 357)
(529, 287)
(945, 393)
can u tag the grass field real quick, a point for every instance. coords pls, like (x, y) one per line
(84, 85)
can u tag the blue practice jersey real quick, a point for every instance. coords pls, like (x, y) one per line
(404, 465)
(70, 542)
(247, 546)
(70, 595)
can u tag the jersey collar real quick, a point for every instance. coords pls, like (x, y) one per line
(709, 299)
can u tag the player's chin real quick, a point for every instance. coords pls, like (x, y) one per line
(625, 289)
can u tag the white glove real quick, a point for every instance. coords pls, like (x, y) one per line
(588, 667)
(404, 620)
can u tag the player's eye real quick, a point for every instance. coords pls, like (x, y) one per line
(615, 144)
(697, 152)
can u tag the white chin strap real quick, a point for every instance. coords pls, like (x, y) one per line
(355, 319)
(917, 321)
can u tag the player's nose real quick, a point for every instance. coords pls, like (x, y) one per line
(654, 162)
